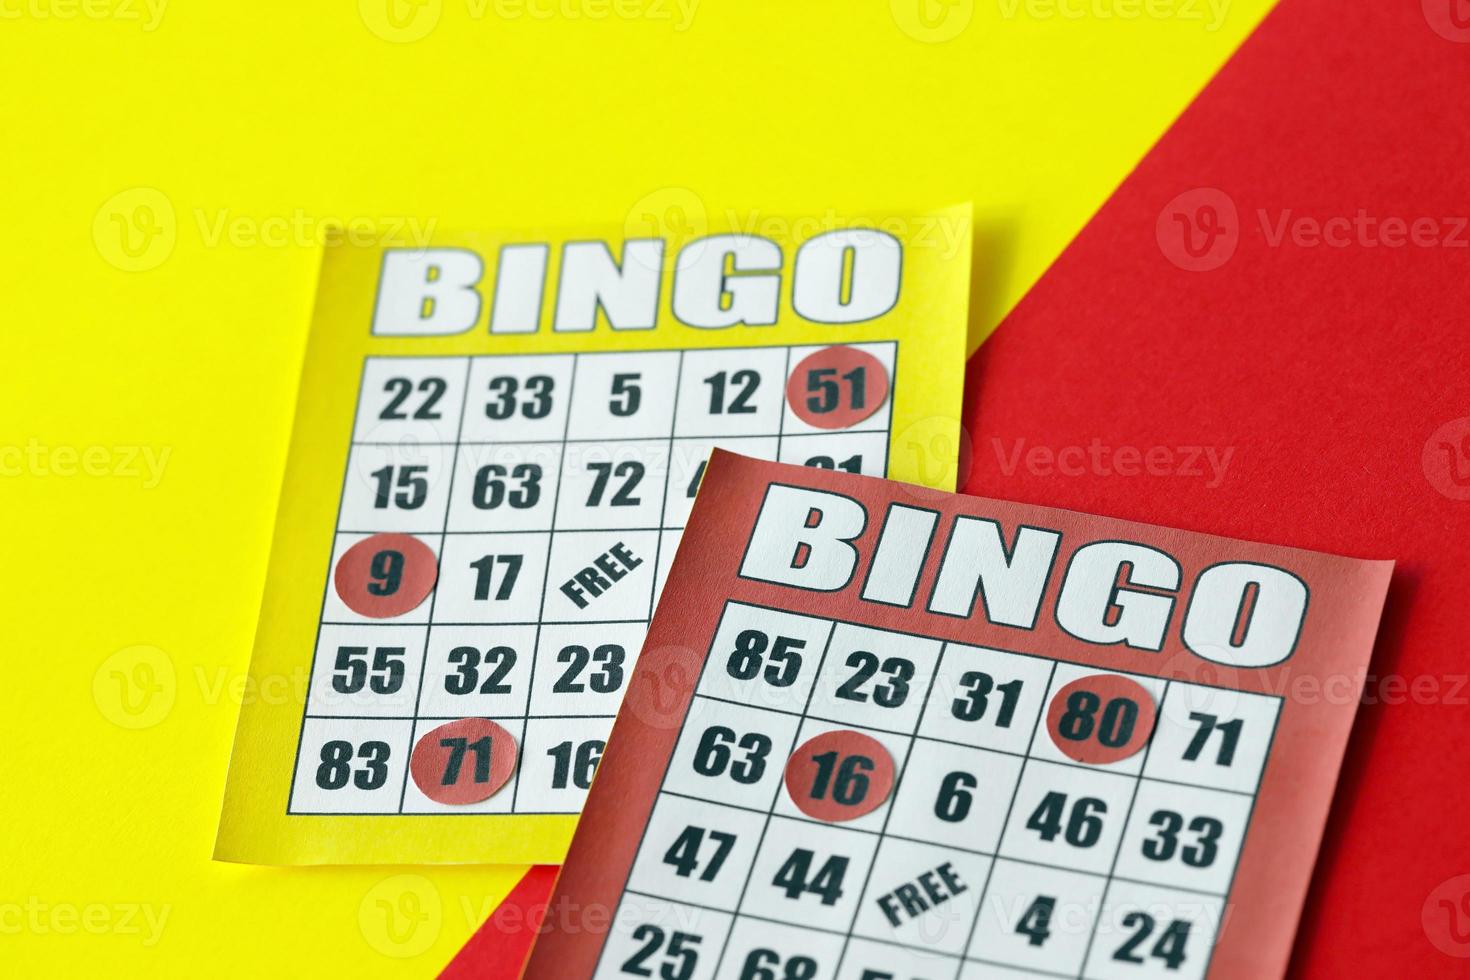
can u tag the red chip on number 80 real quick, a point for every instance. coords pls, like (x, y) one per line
(839, 776)
(837, 387)
(1101, 719)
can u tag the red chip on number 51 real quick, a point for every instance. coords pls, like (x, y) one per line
(837, 387)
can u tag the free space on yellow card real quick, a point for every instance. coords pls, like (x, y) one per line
(497, 443)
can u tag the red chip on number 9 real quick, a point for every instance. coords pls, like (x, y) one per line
(837, 387)
(465, 761)
(839, 776)
(386, 575)
(1101, 719)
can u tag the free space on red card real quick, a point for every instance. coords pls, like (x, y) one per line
(881, 731)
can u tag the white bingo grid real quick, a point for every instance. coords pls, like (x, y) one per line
(732, 881)
(553, 460)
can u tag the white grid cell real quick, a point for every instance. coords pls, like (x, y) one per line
(393, 487)
(874, 678)
(477, 671)
(363, 671)
(583, 669)
(505, 486)
(986, 698)
(517, 399)
(410, 401)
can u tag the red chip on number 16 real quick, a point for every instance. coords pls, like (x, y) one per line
(839, 776)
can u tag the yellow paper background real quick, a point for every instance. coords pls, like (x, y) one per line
(251, 120)
(927, 322)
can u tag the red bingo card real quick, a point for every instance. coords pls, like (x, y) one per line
(886, 733)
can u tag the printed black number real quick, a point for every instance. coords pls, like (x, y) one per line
(826, 393)
(746, 381)
(891, 694)
(401, 388)
(574, 763)
(713, 755)
(605, 680)
(351, 670)
(386, 572)
(1113, 728)
(1169, 948)
(505, 402)
(413, 489)
(1200, 854)
(845, 777)
(680, 954)
(764, 964)
(484, 569)
(490, 490)
(1229, 737)
(978, 685)
(683, 854)
(955, 799)
(693, 487)
(467, 661)
(795, 876)
(1083, 825)
(629, 471)
(782, 664)
(852, 464)
(458, 748)
(1036, 920)
(336, 765)
(626, 394)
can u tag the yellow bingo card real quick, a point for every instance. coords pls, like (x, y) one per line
(496, 447)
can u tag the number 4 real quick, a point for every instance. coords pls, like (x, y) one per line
(1036, 919)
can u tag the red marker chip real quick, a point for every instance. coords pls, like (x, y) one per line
(1101, 719)
(837, 387)
(464, 761)
(839, 776)
(386, 575)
